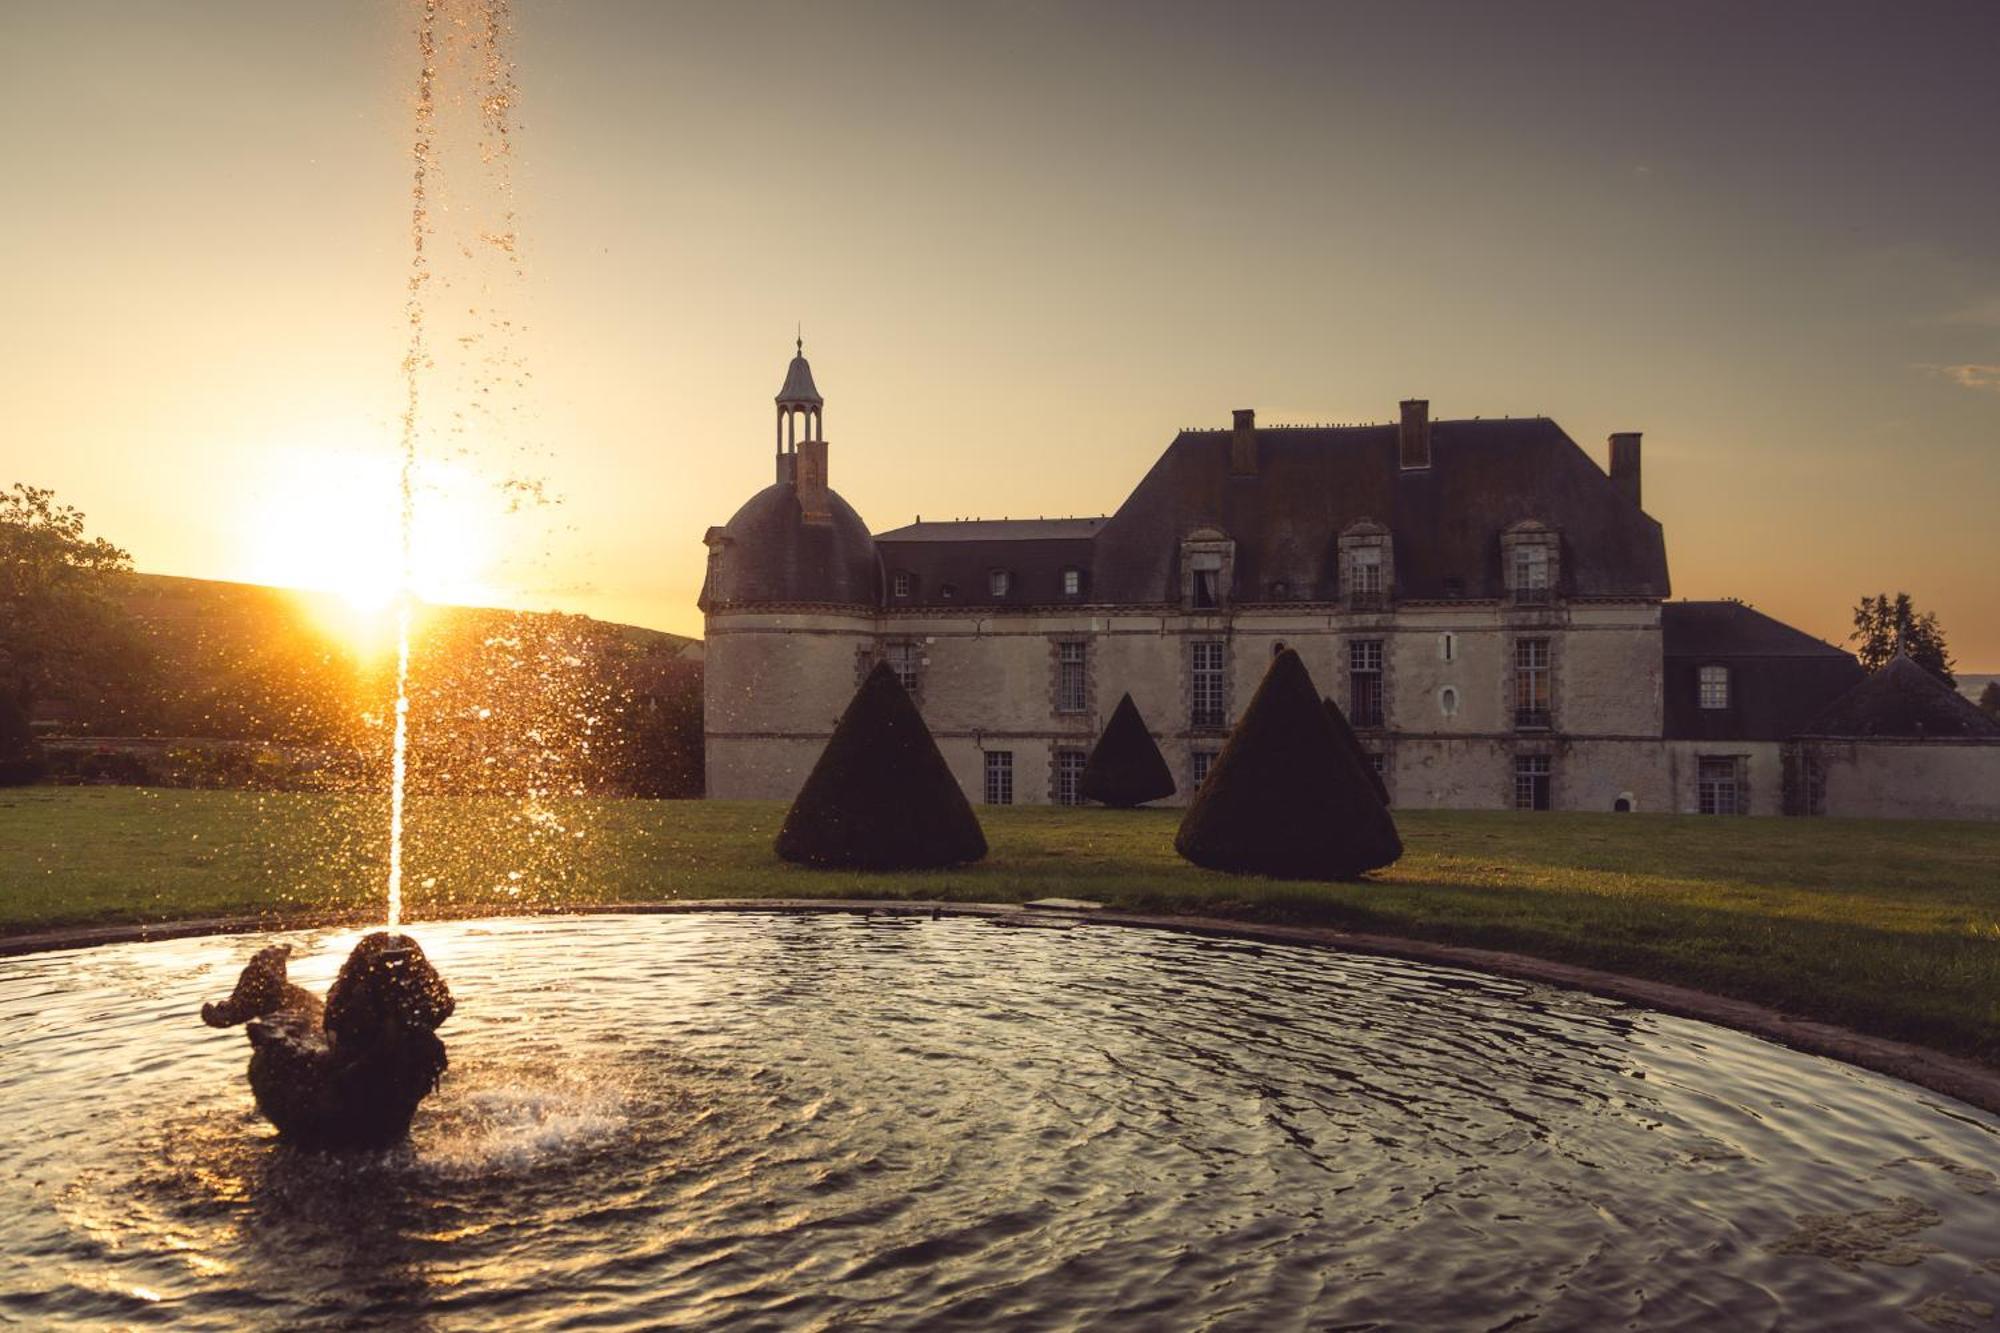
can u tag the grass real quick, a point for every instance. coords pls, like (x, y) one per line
(1890, 928)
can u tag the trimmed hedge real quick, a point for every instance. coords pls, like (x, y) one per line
(881, 796)
(1285, 797)
(1125, 768)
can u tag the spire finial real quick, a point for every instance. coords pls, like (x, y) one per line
(800, 329)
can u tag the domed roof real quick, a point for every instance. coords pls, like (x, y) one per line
(799, 387)
(769, 553)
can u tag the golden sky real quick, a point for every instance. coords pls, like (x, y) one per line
(1027, 244)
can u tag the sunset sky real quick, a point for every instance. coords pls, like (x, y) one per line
(1027, 243)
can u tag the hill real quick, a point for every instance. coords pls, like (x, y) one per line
(498, 697)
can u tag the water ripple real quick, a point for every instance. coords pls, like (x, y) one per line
(786, 1122)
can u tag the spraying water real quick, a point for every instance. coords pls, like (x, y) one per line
(413, 361)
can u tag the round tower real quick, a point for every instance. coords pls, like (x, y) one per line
(789, 602)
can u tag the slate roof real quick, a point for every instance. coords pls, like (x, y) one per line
(1445, 522)
(1903, 700)
(993, 529)
(1779, 677)
(799, 386)
(768, 554)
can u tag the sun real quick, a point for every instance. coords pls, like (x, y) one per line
(328, 520)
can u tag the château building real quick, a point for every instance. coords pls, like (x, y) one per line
(1489, 607)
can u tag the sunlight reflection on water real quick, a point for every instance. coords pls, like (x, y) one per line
(812, 1120)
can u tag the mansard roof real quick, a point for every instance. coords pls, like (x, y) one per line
(1779, 677)
(1445, 520)
(1905, 701)
(1311, 484)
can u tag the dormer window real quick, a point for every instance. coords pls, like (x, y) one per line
(1072, 582)
(1531, 561)
(1715, 687)
(900, 585)
(998, 582)
(947, 591)
(1366, 573)
(1207, 560)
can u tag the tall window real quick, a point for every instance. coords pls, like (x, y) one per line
(901, 587)
(1719, 784)
(1072, 582)
(998, 582)
(1070, 693)
(1069, 776)
(1532, 686)
(1532, 781)
(1207, 684)
(1715, 687)
(999, 777)
(903, 659)
(1364, 682)
(1202, 761)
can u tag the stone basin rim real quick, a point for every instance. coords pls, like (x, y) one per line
(1966, 1080)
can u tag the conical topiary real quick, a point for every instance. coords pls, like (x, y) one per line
(1125, 768)
(881, 796)
(1352, 744)
(1284, 797)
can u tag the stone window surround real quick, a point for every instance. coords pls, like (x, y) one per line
(1739, 781)
(1089, 708)
(1202, 546)
(1531, 534)
(1187, 680)
(1360, 535)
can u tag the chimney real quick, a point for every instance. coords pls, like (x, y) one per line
(814, 503)
(1413, 436)
(1625, 464)
(1243, 444)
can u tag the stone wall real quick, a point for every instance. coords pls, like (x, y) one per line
(1913, 779)
(776, 683)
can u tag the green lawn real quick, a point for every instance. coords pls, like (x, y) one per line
(1891, 928)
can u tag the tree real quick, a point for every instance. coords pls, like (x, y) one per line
(1989, 699)
(1884, 627)
(58, 620)
(1125, 768)
(881, 797)
(1286, 797)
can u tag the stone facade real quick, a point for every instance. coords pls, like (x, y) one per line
(1510, 648)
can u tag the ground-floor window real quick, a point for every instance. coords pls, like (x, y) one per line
(1380, 763)
(1202, 759)
(1719, 784)
(999, 777)
(1069, 776)
(1533, 782)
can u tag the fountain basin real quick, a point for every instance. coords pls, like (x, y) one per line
(806, 1120)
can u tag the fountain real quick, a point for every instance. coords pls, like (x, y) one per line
(888, 1120)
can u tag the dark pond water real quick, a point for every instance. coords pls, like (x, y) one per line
(810, 1122)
